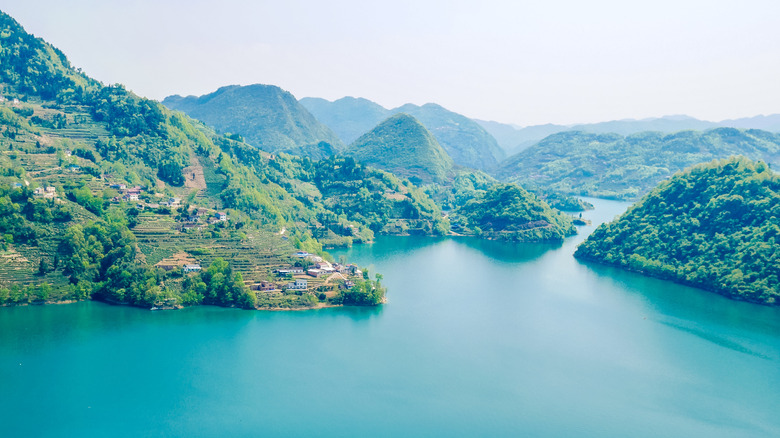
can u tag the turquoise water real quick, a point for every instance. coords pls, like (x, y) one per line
(477, 339)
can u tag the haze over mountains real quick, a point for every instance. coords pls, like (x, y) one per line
(625, 167)
(514, 139)
(464, 140)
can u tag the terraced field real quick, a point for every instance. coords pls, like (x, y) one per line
(255, 257)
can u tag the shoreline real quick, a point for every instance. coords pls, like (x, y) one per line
(179, 307)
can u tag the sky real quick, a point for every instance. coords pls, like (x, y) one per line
(519, 62)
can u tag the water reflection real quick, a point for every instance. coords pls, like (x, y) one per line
(689, 303)
(508, 251)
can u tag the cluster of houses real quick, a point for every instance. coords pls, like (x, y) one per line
(130, 194)
(319, 266)
(200, 216)
(45, 193)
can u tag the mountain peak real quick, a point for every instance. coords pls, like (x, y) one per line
(265, 115)
(402, 145)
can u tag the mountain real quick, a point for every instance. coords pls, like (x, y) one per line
(713, 226)
(506, 211)
(403, 146)
(614, 166)
(111, 196)
(666, 124)
(464, 140)
(521, 138)
(767, 123)
(514, 139)
(265, 116)
(348, 117)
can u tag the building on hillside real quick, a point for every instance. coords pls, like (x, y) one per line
(301, 254)
(189, 227)
(315, 272)
(167, 265)
(300, 284)
(290, 270)
(221, 216)
(264, 286)
(191, 268)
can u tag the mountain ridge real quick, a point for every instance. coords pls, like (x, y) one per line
(266, 116)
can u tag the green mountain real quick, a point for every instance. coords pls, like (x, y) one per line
(265, 116)
(348, 117)
(109, 195)
(614, 166)
(714, 226)
(403, 146)
(506, 211)
(464, 140)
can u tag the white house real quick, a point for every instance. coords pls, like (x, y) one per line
(191, 268)
(298, 285)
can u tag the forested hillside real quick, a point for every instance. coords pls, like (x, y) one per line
(614, 166)
(403, 146)
(113, 196)
(715, 226)
(508, 212)
(265, 116)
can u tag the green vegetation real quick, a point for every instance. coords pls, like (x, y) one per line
(466, 142)
(123, 184)
(265, 116)
(614, 166)
(506, 211)
(714, 226)
(404, 147)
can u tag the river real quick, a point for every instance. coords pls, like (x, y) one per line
(478, 338)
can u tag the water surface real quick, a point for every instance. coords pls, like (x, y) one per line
(478, 339)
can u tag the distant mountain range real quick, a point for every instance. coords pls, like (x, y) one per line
(465, 141)
(403, 146)
(514, 139)
(265, 116)
(626, 167)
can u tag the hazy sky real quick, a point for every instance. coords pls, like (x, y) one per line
(523, 62)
